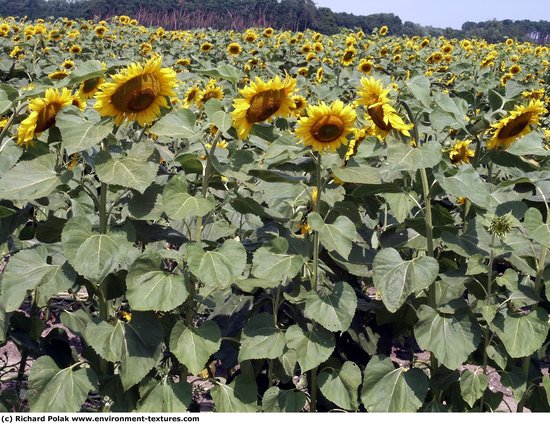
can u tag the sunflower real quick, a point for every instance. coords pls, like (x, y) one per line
(43, 113)
(75, 49)
(206, 47)
(88, 88)
(359, 135)
(234, 49)
(262, 101)
(383, 30)
(326, 127)
(137, 93)
(460, 152)
(100, 31)
(348, 57)
(380, 111)
(58, 75)
(516, 125)
(365, 66)
(319, 74)
(211, 91)
(68, 64)
(300, 104)
(191, 96)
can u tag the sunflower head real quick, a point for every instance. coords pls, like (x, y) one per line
(371, 92)
(460, 152)
(137, 93)
(42, 114)
(516, 125)
(326, 127)
(262, 101)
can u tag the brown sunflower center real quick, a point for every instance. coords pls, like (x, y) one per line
(328, 128)
(514, 127)
(136, 94)
(263, 105)
(348, 56)
(90, 85)
(377, 115)
(46, 117)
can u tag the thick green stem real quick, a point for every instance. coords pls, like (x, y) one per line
(206, 180)
(316, 207)
(103, 197)
(313, 403)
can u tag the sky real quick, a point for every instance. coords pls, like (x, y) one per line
(445, 13)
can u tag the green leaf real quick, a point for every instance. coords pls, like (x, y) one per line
(530, 144)
(388, 389)
(451, 338)
(164, 396)
(401, 204)
(194, 346)
(466, 182)
(220, 267)
(29, 270)
(361, 174)
(334, 237)
(30, 180)
(396, 278)
(92, 254)
(521, 334)
(275, 267)
(9, 154)
(277, 400)
(472, 386)
(149, 288)
(404, 157)
(54, 390)
(147, 206)
(261, 339)
(4, 323)
(137, 344)
(238, 397)
(312, 347)
(538, 230)
(222, 120)
(86, 71)
(178, 204)
(136, 170)
(79, 133)
(226, 72)
(420, 88)
(341, 385)
(179, 123)
(333, 310)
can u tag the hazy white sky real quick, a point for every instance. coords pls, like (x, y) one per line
(445, 13)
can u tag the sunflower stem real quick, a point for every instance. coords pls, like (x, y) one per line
(206, 180)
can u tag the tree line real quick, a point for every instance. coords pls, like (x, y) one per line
(296, 15)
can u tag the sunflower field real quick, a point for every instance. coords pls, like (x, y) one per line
(271, 221)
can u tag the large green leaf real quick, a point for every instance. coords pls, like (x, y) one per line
(194, 346)
(335, 237)
(176, 124)
(137, 344)
(238, 397)
(52, 389)
(32, 179)
(275, 267)
(388, 389)
(261, 339)
(466, 182)
(538, 230)
(521, 334)
(29, 270)
(90, 253)
(472, 385)
(396, 278)
(178, 204)
(87, 70)
(10, 152)
(312, 346)
(451, 338)
(149, 288)
(404, 157)
(531, 144)
(137, 169)
(359, 174)
(79, 133)
(341, 385)
(335, 309)
(164, 396)
(220, 267)
(276, 400)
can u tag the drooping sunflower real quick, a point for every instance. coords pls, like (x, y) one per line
(137, 93)
(516, 125)
(58, 75)
(42, 115)
(326, 127)
(191, 96)
(380, 111)
(262, 101)
(460, 152)
(88, 88)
